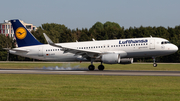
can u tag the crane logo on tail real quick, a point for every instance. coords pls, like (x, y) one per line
(21, 33)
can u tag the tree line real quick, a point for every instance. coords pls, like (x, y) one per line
(59, 33)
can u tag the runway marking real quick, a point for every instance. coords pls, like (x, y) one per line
(96, 72)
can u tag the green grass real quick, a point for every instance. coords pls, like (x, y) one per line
(34, 65)
(19, 87)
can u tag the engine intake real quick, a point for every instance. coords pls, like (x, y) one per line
(111, 58)
(126, 61)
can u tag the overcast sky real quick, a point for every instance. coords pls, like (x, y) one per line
(84, 13)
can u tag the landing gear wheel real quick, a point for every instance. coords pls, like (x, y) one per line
(155, 64)
(91, 67)
(101, 67)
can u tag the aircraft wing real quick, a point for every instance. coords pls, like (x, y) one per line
(84, 53)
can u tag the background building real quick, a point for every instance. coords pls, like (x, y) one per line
(7, 30)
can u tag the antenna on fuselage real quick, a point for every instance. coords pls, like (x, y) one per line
(93, 39)
(76, 41)
(150, 36)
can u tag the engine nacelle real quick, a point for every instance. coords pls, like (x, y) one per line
(126, 61)
(111, 58)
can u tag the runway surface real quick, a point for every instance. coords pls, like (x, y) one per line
(86, 72)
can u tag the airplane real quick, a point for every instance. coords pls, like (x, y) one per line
(116, 51)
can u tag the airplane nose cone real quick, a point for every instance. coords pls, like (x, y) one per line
(175, 48)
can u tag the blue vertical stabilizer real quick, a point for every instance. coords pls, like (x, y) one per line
(23, 36)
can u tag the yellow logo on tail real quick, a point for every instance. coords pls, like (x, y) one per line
(21, 33)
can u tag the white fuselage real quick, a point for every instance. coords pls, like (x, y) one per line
(128, 48)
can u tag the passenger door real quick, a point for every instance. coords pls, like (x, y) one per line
(40, 51)
(152, 44)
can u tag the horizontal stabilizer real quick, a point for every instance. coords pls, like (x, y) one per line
(20, 49)
(7, 48)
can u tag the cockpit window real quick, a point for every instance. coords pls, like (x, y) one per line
(165, 42)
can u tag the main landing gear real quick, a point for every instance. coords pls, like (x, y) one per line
(101, 67)
(154, 64)
(92, 67)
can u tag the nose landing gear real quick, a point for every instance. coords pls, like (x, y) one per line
(154, 64)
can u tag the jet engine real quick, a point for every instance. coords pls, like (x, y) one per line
(126, 61)
(115, 59)
(111, 58)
